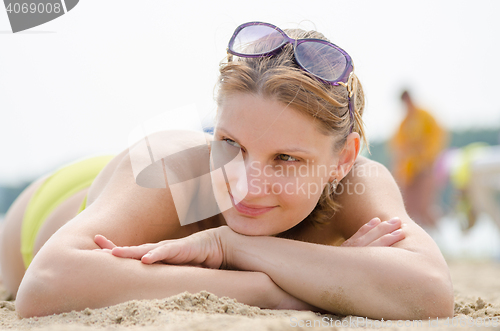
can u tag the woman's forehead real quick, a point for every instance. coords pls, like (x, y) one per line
(256, 119)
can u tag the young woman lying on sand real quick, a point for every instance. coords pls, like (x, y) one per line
(284, 105)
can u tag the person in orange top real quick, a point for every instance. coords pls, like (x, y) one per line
(415, 147)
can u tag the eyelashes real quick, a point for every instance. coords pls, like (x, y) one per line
(288, 158)
(281, 157)
(231, 142)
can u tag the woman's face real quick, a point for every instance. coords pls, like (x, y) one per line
(287, 162)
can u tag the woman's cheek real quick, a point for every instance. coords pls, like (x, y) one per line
(298, 191)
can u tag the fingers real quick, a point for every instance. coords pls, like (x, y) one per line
(168, 253)
(373, 231)
(389, 239)
(133, 252)
(103, 242)
(175, 252)
(147, 253)
(362, 231)
(380, 230)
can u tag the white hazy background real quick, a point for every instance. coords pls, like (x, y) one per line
(77, 86)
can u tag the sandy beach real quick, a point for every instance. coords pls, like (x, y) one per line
(477, 296)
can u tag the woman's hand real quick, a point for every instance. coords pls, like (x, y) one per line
(377, 233)
(206, 248)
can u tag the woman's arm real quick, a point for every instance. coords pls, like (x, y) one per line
(378, 282)
(74, 279)
(68, 273)
(408, 280)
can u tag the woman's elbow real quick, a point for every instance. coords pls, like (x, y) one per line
(43, 290)
(437, 297)
(36, 294)
(445, 298)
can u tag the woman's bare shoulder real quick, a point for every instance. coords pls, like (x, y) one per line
(356, 203)
(378, 195)
(144, 157)
(120, 208)
(368, 191)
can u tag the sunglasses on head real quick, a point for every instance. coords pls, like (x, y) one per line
(322, 59)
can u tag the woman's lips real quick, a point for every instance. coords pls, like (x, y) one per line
(251, 210)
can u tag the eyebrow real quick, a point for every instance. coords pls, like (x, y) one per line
(291, 149)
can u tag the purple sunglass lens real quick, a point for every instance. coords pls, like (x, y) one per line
(257, 39)
(322, 60)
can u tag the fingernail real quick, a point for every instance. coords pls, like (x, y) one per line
(397, 232)
(374, 221)
(147, 254)
(393, 220)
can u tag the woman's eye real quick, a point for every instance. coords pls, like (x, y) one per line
(286, 157)
(231, 142)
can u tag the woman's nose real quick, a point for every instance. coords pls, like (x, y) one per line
(250, 183)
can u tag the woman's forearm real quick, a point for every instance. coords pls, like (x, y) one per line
(76, 279)
(378, 282)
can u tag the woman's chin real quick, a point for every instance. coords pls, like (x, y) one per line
(248, 226)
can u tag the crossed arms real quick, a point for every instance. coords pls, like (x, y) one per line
(76, 269)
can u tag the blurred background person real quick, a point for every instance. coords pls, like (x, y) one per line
(415, 148)
(475, 175)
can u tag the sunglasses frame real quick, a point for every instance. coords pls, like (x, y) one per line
(343, 80)
(344, 77)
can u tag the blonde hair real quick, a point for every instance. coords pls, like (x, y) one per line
(280, 78)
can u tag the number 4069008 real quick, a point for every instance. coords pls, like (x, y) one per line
(34, 8)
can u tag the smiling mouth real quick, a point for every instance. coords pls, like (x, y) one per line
(250, 210)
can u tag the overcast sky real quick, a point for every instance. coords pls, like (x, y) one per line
(78, 85)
